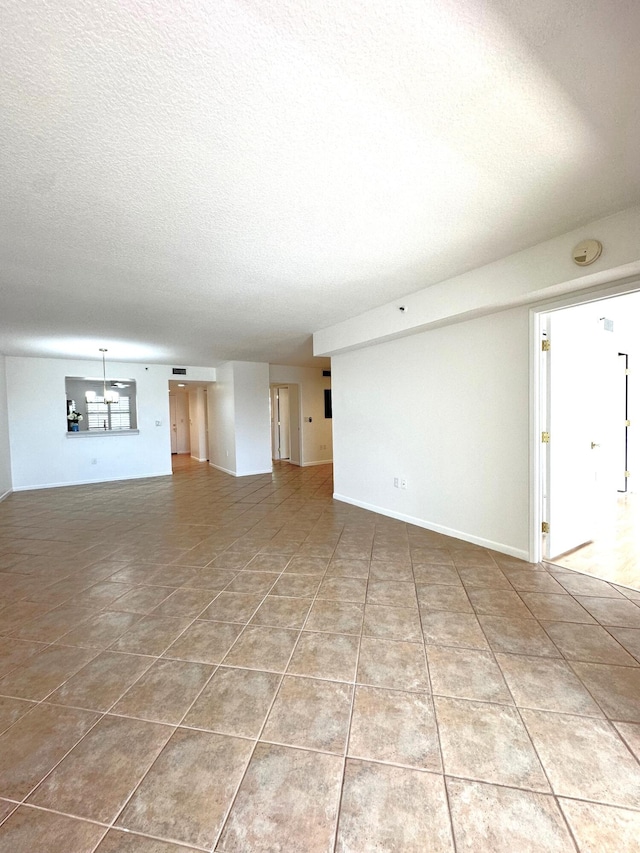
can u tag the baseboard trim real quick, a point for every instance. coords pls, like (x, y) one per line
(244, 473)
(5, 495)
(319, 462)
(519, 553)
(197, 458)
(90, 482)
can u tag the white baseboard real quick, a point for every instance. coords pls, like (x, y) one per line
(244, 473)
(6, 494)
(520, 553)
(197, 458)
(90, 482)
(319, 462)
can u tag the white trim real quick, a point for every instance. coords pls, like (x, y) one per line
(519, 553)
(90, 482)
(319, 462)
(197, 458)
(535, 430)
(224, 470)
(577, 297)
(5, 495)
(244, 473)
(99, 433)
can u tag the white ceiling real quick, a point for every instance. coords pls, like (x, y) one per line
(190, 181)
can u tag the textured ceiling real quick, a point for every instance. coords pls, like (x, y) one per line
(191, 181)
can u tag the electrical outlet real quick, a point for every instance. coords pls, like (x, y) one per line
(403, 483)
(396, 482)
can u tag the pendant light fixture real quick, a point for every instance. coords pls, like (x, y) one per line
(109, 396)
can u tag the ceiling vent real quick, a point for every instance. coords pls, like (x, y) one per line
(179, 371)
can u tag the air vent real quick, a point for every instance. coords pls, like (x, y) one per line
(326, 373)
(179, 371)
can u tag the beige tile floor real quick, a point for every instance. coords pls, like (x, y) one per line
(203, 663)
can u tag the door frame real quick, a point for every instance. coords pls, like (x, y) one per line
(295, 430)
(537, 388)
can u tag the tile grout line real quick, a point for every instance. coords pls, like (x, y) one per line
(454, 841)
(232, 801)
(347, 742)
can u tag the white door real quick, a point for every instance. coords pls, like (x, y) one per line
(580, 421)
(174, 418)
(283, 423)
(183, 438)
(206, 424)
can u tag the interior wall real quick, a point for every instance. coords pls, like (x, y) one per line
(448, 411)
(5, 455)
(253, 424)
(239, 423)
(537, 274)
(316, 436)
(222, 434)
(627, 327)
(44, 453)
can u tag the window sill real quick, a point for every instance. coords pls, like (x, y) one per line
(101, 433)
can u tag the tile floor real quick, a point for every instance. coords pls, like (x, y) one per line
(203, 663)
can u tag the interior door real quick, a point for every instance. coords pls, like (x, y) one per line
(173, 414)
(581, 425)
(283, 422)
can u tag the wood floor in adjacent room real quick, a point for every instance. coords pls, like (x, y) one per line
(615, 552)
(199, 663)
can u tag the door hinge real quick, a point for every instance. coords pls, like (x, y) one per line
(545, 526)
(627, 423)
(546, 345)
(627, 474)
(545, 438)
(626, 371)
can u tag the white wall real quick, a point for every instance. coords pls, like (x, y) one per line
(625, 312)
(5, 456)
(317, 436)
(253, 427)
(448, 411)
(534, 275)
(239, 426)
(43, 455)
(222, 434)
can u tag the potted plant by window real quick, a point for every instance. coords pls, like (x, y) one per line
(74, 419)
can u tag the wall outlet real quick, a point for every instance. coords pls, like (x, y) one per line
(396, 482)
(403, 483)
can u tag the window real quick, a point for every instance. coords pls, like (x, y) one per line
(101, 415)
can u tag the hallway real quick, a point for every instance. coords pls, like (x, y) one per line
(198, 662)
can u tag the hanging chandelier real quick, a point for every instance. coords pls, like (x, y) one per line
(109, 396)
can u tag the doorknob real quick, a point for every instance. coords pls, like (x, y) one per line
(593, 445)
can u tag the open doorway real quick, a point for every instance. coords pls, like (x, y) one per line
(285, 423)
(588, 407)
(189, 422)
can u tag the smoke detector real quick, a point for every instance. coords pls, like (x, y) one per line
(587, 252)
